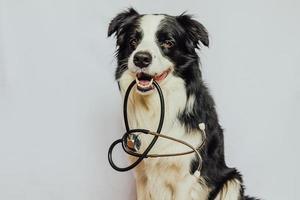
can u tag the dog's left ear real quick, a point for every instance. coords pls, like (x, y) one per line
(196, 31)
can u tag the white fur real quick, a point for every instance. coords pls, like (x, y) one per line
(190, 103)
(164, 178)
(230, 191)
(149, 24)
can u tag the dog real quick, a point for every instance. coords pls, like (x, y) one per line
(163, 48)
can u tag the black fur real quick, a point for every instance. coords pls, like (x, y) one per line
(186, 34)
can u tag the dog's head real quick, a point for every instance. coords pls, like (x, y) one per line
(155, 47)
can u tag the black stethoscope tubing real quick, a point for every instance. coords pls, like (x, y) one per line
(129, 131)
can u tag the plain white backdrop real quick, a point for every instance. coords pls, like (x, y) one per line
(60, 107)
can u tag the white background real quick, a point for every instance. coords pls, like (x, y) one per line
(60, 108)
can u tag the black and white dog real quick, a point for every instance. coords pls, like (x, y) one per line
(163, 48)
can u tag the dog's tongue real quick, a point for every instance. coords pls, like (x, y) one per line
(144, 79)
(144, 82)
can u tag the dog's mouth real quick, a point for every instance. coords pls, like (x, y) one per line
(145, 81)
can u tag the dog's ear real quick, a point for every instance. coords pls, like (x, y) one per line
(120, 20)
(195, 30)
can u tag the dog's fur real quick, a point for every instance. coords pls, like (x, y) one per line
(172, 42)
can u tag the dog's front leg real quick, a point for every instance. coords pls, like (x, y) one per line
(141, 188)
(154, 189)
(183, 187)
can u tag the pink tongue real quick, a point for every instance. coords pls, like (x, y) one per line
(144, 82)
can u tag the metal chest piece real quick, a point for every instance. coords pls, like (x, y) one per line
(133, 142)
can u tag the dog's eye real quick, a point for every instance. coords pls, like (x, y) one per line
(168, 44)
(133, 43)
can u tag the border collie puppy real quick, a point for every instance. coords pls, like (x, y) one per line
(163, 48)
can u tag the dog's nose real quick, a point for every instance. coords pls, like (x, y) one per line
(142, 59)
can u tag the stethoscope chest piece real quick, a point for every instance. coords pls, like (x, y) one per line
(133, 142)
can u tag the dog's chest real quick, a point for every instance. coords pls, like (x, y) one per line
(168, 179)
(164, 178)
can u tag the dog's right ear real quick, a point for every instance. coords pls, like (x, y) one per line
(120, 21)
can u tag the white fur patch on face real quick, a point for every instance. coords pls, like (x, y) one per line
(149, 25)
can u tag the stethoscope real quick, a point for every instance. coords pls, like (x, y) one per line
(131, 142)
